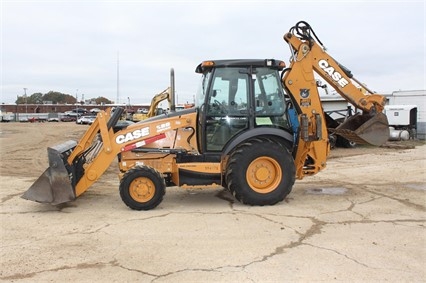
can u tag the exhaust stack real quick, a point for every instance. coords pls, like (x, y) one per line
(172, 90)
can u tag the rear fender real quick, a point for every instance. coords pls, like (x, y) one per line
(275, 133)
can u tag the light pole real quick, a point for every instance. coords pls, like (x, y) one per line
(25, 95)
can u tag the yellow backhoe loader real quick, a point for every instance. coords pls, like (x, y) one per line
(153, 107)
(255, 128)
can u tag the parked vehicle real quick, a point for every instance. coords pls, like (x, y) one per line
(85, 120)
(76, 112)
(53, 117)
(68, 118)
(95, 110)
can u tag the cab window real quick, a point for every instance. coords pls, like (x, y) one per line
(228, 93)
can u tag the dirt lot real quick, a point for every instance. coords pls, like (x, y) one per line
(362, 219)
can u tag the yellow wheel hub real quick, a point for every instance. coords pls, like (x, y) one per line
(142, 189)
(264, 174)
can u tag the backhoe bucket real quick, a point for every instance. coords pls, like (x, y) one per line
(54, 186)
(365, 129)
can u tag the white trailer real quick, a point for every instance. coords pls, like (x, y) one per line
(412, 98)
(401, 116)
(402, 120)
(6, 116)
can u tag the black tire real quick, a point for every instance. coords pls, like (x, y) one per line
(332, 139)
(142, 188)
(260, 172)
(342, 142)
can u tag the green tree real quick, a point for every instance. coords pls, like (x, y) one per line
(69, 99)
(21, 100)
(55, 97)
(35, 98)
(103, 100)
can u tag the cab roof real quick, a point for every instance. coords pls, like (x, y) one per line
(269, 63)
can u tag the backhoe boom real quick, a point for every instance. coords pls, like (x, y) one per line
(331, 71)
(309, 57)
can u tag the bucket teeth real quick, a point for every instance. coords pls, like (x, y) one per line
(54, 186)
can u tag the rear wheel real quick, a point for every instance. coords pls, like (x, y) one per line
(260, 172)
(142, 188)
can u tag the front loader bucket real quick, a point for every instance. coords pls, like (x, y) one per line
(365, 129)
(55, 185)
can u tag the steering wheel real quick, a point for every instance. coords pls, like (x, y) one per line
(220, 106)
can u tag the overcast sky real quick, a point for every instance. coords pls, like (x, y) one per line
(72, 46)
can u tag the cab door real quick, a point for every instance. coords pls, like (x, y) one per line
(226, 107)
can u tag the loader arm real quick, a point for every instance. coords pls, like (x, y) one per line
(124, 140)
(75, 167)
(309, 57)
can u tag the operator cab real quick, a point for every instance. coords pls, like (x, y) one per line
(237, 96)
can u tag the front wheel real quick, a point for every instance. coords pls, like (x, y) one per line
(260, 172)
(142, 188)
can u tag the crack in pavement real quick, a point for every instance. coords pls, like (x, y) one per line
(341, 254)
(116, 263)
(315, 229)
(283, 225)
(350, 209)
(89, 231)
(18, 276)
(405, 202)
(351, 258)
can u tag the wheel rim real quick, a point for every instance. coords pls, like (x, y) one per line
(264, 174)
(142, 189)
